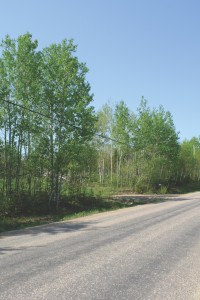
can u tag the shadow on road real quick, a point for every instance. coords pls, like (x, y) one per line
(77, 225)
(4, 250)
(146, 199)
(53, 229)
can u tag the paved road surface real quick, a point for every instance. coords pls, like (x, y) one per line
(147, 252)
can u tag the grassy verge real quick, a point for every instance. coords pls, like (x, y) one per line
(8, 223)
(83, 206)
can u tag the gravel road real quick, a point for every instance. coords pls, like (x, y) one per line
(145, 252)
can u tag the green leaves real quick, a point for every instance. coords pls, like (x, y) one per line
(48, 126)
(53, 83)
(189, 160)
(144, 145)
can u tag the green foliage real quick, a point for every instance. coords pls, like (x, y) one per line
(156, 144)
(46, 120)
(189, 161)
(53, 146)
(144, 148)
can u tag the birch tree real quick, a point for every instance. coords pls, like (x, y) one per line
(66, 100)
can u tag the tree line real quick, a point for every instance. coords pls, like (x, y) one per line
(53, 145)
(144, 153)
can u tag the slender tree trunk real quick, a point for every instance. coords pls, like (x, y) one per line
(52, 184)
(111, 164)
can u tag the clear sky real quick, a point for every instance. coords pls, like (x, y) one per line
(133, 48)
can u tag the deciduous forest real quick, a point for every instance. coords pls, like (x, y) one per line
(54, 147)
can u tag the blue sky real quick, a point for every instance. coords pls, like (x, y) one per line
(133, 48)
